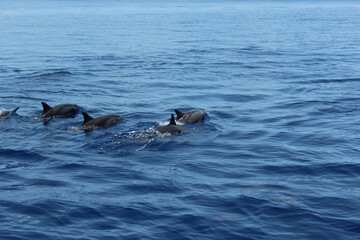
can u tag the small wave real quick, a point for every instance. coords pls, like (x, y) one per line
(55, 74)
(338, 169)
(71, 166)
(252, 50)
(21, 154)
(336, 80)
(46, 74)
(339, 109)
(103, 57)
(132, 141)
(198, 51)
(302, 104)
(242, 97)
(159, 186)
(123, 142)
(46, 183)
(20, 158)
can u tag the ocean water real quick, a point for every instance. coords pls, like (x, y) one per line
(277, 157)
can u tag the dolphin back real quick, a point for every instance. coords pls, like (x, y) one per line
(14, 111)
(87, 118)
(102, 121)
(179, 114)
(194, 116)
(46, 107)
(171, 127)
(62, 110)
(172, 120)
(8, 113)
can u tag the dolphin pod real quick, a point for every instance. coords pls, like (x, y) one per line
(70, 110)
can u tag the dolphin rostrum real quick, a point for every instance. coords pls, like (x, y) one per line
(6, 114)
(194, 116)
(171, 127)
(62, 110)
(102, 121)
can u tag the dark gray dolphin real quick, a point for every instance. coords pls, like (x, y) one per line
(171, 127)
(62, 110)
(194, 116)
(103, 121)
(6, 114)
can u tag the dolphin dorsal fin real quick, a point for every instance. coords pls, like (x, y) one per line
(45, 107)
(13, 111)
(87, 118)
(179, 114)
(172, 121)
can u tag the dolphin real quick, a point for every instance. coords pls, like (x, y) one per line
(102, 121)
(62, 110)
(171, 127)
(6, 114)
(194, 116)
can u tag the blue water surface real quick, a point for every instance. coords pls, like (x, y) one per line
(277, 156)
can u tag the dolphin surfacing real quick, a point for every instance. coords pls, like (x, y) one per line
(194, 116)
(170, 128)
(102, 121)
(59, 111)
(6, 114)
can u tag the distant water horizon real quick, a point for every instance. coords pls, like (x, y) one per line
(276, 157)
